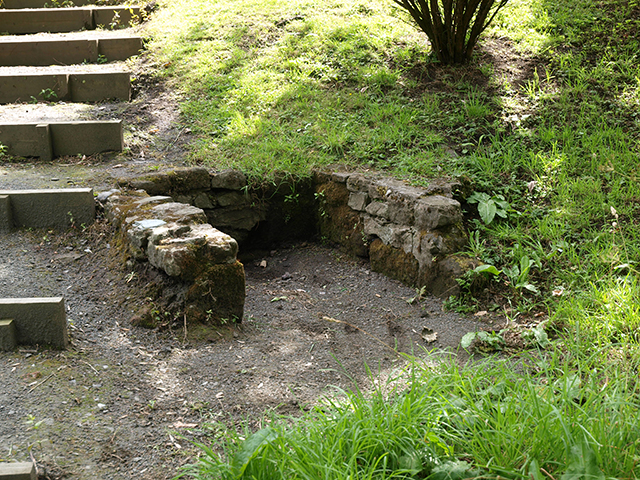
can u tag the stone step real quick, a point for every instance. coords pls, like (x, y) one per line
(18, 471)
(38, 321)
(57, 20)
(72, 84)
(68, 49)
(54, 139)
(47, 208)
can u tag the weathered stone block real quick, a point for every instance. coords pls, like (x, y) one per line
(358, 200)
(436, 211)
(239, 219)
(218, 294)
(38, 321)
(18, 471)
(138, 236)
(8, 336)
(202, 200)
(232, 199)
(400, 212)
(229, 180)
(6, 218)
(178, 213)
(154, 183)
(187, 180)
(378, 209)
(358, 183)
(185, 253)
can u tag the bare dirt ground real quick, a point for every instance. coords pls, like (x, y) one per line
(123, 401)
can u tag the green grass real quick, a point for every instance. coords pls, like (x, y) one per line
(444, 422)
(546, 116)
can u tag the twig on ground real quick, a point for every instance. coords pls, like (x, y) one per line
(36, 386)
(92, 368)
(185, 329)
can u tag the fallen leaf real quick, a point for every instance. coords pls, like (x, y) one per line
(481, 313)
(428, 335)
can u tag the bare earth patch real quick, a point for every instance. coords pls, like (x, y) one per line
(123, 401)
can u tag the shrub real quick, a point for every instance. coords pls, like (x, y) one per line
(452, 26)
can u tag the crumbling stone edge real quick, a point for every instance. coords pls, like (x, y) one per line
(412, 234)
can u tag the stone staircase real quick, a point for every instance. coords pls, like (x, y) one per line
(51, 58)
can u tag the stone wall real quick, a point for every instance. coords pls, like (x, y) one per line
(409, 233)
(208, 280)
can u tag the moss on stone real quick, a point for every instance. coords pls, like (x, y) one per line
(394, 263)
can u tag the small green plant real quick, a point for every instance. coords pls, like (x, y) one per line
(321, 199)
(49, 95)
(421, 293)
(490, 206)
(3, 150)
(102, 59)
(518, 275)
(32, 422)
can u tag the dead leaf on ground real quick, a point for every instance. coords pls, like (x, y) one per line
(428, 335)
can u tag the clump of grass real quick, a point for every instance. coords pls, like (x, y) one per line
(552, 416)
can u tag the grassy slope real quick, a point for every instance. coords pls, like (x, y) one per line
(548, 120)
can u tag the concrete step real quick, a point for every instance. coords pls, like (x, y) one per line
(19, 4)
(68, 49)
(38, 321)
(55, 139)
(47, 208)
(57, 20)
(81, 83)
(18, 471)
(8, 338)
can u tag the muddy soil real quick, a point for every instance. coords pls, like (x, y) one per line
(123, 402)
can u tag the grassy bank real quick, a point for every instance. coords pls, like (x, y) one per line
(542, 128)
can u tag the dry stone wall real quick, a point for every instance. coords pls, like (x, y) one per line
(175, 238)
(409, 233)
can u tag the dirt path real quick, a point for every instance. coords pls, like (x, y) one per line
(114, 405)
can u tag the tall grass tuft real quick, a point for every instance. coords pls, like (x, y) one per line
(560, 414)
